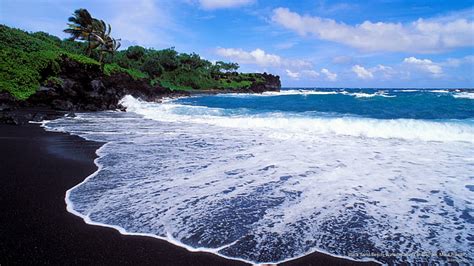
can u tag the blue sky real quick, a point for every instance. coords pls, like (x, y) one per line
(384, 43)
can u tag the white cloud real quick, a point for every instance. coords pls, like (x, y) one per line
(257, 56)
(343, 59)
(424, 36)
(370, 73)
(362, 72)
(217, 4)
(293, 75)
(142, 22)
(456, 62)
(297, 63)
(260, 57)
(386, 71)
(329, 75)
(305, 73)
(285, 45)
(425, 65)
(310, 73)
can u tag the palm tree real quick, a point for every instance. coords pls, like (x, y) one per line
(104, 41)
(81, 27)
(96, 32)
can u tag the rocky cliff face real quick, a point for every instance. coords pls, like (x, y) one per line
(86, 88)
(80, 89)
(271, 83)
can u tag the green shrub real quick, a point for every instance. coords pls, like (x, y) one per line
(114, 68)
(26, 60)
(17, 75)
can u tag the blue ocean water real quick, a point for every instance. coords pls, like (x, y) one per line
(372, 103)
(383, 175)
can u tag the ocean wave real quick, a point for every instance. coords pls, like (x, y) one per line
(298, 92)
(240, 194)
(464, 95)
(369, 95)
(297, 125)
(406, 90)
(305, 92)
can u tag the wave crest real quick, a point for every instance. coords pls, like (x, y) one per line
(307, 125)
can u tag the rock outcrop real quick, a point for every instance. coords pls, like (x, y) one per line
(82, 88)
(271, 83)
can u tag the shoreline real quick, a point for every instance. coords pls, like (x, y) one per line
(40, 230)
(37, 168)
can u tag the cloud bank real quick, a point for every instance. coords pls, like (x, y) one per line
(422, 36)
(425, 65)
(260, 57)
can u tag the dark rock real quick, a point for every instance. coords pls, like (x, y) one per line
(63, 105)
(44, 89)
(44, 94)
(68, 88)
(7, 102)
(86, 88)
(38, 117)
(270, 83)
(92, 107)
(97, 85)
(6, 118)
(5, 107)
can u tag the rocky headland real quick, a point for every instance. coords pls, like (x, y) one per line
(88, 89)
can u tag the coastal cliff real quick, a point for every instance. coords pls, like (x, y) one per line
(42, 75)
(79, 89)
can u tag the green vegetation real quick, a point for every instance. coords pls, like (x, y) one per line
(30, 59)
(27, 60)
(109, 69)
(181, 71)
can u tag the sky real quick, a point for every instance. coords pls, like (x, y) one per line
(381, 44)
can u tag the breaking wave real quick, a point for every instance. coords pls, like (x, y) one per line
(297, 125)
(273, 186)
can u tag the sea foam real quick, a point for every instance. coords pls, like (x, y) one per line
(464, 95)
(269, 189)
(305, 126)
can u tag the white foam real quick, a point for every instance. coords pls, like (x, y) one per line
(440, 91)
(239, 193)
(306, 127)
(276, 187)
(298, 92)
(370, 95)
(305, 92)
(464, 95)
(406, 90)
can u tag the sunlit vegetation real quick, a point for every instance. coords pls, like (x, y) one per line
(29, 60)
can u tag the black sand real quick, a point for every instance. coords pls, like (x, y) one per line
(36, 169)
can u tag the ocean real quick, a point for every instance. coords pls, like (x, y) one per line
(364, 174)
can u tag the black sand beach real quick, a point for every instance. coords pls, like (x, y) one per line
(36, 169)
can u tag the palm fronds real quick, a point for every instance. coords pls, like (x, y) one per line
(95, 32)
